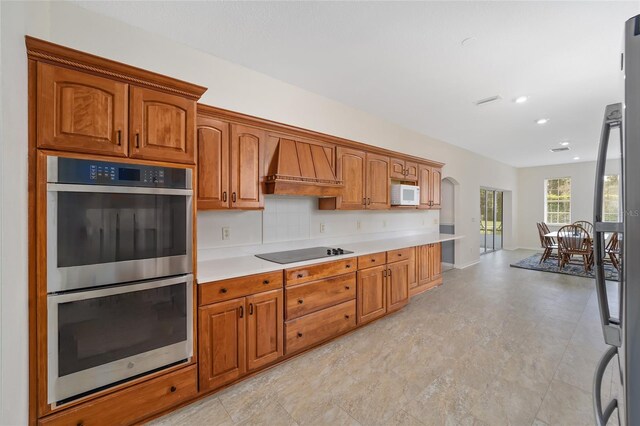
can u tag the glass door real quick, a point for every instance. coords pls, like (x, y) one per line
(491, 216)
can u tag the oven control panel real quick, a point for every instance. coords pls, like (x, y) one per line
(91, 172)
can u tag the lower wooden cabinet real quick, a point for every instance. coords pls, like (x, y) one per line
(428, 267)
(372, 294)
(397, 285)
(134, 404)
(238, 336)
(314, 328)
(264, 328)
(221, 343)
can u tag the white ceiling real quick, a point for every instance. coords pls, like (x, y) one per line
(404, 61)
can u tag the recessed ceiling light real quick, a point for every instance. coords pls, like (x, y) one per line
(576, 158)
(564, 143)
(542, 121)
(521, 99)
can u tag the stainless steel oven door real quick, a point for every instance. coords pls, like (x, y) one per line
(100, 337)
(100, 235)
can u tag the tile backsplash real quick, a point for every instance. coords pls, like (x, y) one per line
(298, 218)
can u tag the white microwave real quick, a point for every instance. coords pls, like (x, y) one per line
(405, 195)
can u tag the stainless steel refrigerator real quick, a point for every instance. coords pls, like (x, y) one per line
(621, 322)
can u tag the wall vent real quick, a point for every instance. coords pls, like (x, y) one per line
(564, 148)
(488, 100)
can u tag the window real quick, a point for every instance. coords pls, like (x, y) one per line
(611, 198)
(557, 201)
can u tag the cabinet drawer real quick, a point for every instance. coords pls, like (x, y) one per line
(398, 255)
(371, 260)
(306, 298)
(316, 272)
(322, 325)
(238, 287)
(132, 404)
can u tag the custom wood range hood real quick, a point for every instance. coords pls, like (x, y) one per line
(301, 168)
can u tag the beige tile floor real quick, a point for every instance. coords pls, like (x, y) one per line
(493, 345)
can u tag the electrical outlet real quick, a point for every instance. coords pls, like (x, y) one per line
(322, 228)
(226, 233)
(358, 225)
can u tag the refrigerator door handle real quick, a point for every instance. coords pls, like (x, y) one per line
(602, 417)
(610, 326)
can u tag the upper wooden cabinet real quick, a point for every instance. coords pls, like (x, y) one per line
(247, 165)
(88, 104)
(213, 163)
(366, 181)
(404, 170)
(435, 188)
(230, 165)
(377, 182)
(162, 126)
(81, 112)
(430, 182)
(351, 170)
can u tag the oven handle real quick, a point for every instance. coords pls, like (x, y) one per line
(65, 187)
(119, 289)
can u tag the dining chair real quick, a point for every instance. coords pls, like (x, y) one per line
(547, 243)
(574, 240)
(547, 230)
(612, 250)
(588, 226)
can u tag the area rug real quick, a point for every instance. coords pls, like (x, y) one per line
(551, 265)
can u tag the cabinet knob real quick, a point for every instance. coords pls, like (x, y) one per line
(346, 316)
(173, 389)
(346, 287)
(265, 282)
(348, 265)
(373, 260)
(80, 423)
(224, 196)
(137, 140)
(233, 197)
(399, 254)
(119, 136)
(299, 334)
(223, 290)
(300, 275)
(300, 301)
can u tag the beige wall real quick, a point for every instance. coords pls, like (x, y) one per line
(230, 86)
(531, 190)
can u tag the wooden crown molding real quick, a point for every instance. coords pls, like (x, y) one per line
(41, 50)
(275, 126)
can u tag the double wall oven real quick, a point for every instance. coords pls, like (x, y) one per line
(119, 264)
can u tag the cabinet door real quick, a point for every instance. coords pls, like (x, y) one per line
(397, 285)
(350, 169)
(221, 343)
(397, 169)
(265, 328)
(435, 257)
(377, 182)
(162, 126)
(213, 163)
(412, 171)
(413, 273)
(436, 185)
(81, 112)
(247, 157)
(424, 265)
(372, 294)
(424, 181)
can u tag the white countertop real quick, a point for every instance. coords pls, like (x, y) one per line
(231, 267)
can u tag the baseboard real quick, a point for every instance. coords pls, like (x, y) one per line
(448, 265)
(458, 266)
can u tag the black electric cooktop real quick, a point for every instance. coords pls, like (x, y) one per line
(292, 256)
